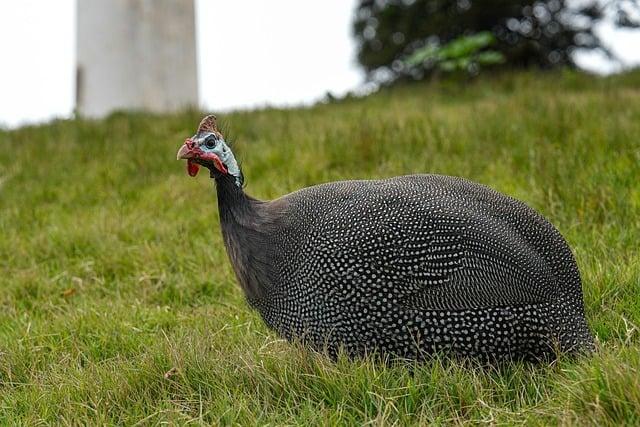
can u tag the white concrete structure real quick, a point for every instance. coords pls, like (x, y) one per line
(135, 55)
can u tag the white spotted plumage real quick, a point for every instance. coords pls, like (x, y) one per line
(406, 266)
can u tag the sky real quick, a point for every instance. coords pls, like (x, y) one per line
(250, 53)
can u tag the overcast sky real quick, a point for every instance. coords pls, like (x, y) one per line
(250, 53)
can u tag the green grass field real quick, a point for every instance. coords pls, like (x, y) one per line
(113, 272)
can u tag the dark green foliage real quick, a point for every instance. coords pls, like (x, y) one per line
(463, 53)
(540, 33)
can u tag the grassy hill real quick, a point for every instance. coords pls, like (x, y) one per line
(113, 272)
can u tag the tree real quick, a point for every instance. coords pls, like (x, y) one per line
(391, 34)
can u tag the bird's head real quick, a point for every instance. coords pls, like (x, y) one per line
(208, 148)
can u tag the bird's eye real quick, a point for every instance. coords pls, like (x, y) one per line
(209, 143)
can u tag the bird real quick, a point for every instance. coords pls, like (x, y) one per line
(407, 267)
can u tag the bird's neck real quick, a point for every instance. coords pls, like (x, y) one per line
(234, 204)
(245, 238)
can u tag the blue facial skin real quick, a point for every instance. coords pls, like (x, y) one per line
(222, 150)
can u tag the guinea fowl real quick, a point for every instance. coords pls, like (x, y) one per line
(406, 266)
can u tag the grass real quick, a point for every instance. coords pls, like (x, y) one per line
(118, 304)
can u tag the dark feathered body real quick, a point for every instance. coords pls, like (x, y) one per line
(406, 266)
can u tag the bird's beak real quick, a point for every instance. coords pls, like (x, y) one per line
(189, 151)
(185, 152)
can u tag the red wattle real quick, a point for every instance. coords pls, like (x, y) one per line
(192, 167)
(216, 161)
(221, 166)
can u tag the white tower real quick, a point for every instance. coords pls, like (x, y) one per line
(135, 55)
